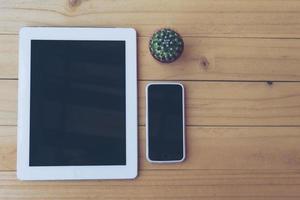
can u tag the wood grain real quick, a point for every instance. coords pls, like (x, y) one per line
(222, 18)
(208, 148)
(163, 184)
(237, 103)
(241, 71)
(8, 56)
(8, 102)
(176, 178)
(8, 148)
(209, 103)
(203, 59)
(226, 59)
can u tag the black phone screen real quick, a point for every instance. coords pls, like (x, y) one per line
(165, 122)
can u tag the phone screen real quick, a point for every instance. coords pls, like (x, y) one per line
(165, 122)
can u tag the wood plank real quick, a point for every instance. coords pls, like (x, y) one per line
(8, 102)
(230, 18)
(203, 59)
(8, 147)
(175, 178)
(237, 148)
(209, 103)
(8, 56)
(226, 59)
(159, 6)
(158, 184)
(237, 103)
(209, 148)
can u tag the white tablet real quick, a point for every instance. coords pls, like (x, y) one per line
(77, 107)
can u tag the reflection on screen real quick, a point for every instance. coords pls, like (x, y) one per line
(77, 103)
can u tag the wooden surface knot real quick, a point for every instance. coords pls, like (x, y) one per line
(204, 63)
(270, 83)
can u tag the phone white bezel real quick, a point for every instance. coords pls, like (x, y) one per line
(26, 172)
(183, 123)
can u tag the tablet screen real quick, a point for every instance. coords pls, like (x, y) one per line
(77, 103)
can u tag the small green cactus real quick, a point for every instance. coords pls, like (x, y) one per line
(166, 45)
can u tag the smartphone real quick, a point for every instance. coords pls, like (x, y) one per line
(165, 131)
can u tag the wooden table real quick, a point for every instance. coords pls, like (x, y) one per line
(241, 70)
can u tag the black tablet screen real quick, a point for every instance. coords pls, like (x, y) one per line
(77, 103)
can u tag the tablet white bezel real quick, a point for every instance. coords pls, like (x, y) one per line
(26, 172)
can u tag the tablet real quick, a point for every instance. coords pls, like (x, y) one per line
(77, 107)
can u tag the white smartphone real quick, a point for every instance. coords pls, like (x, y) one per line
(165, 126)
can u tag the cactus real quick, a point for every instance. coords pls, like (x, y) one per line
(166, 45)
